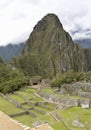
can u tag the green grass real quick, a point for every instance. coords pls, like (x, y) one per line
(68, 115)
(30, 90)
(26, 119)
(26, 95)
(35, 112)
(58, 126)
(33, 101)
(47, 107)
(47, 90)
(53, 123)
(38, 99)
(51, 106)
(27, 106)
(17, 98)
(43, 108)
(8, 107)
(74, 113)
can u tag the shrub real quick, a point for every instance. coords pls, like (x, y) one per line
(11, 80)
(67, 77)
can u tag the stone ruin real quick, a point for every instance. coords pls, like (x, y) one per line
(81, 89)
(66, 102)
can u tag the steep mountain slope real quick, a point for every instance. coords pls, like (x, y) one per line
(1, 61)
(10, 51)
(87, 52)
(50, 50)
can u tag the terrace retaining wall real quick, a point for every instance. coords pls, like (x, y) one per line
(18, 114)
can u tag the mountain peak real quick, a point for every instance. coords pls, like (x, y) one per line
(49, 26)
(46, 21)
(51, 16)
(50, 49)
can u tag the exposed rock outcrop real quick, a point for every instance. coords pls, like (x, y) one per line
(82, 89)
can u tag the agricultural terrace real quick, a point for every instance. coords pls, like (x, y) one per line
(29, 108)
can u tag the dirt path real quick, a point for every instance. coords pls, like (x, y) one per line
(7, 123)
(43, 127)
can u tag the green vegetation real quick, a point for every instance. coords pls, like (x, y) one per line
(8, 107)
(17, 98)
(24, 94)
(36, 78)
(26, 119)
(11, 79)
(1, 61)
(66, 115)
(51, 51)
(26, 106)
(88, 76)
(47, 90)
(67, 77)
(76, 113)
(31, 91)
(56, 125)
(42, 108)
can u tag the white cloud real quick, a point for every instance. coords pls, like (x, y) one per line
(18, 17)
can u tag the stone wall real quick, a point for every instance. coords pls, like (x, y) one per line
(18, 114)
(81, 89)
(63, 102)
(40, 111)
(17, 104)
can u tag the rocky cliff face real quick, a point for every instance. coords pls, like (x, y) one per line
(50, 50)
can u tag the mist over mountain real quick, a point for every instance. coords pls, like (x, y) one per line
(11, 50)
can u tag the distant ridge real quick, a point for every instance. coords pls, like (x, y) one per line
(85, 43)
(11, 50)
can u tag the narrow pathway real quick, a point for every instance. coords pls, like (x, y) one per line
(42, 127)
(7, 123)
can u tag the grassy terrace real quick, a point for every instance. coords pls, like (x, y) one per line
(17, 98)
(55, 125)
(51, 106)
(33, 98)
(76, 113)
(26, 95)
(36, 112)
(28, 120)
(27, 106)
(30, 90)
(25, 119)
(43, 108)
(8, 107)
(47, 90)
(68, 115)
(36, 99)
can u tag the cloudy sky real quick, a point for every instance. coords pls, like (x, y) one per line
(18, 17)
